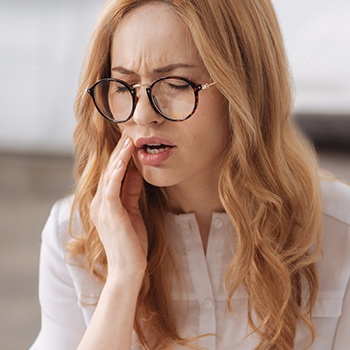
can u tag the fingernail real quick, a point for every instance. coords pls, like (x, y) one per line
(127, 142)
(119, 165)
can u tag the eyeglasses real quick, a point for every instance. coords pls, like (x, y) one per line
(174, 98)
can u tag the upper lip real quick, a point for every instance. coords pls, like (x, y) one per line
(152, 140)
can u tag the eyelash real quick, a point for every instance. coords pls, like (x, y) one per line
(179, 87)
(120, 90)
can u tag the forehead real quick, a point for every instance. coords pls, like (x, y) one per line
(152, 35)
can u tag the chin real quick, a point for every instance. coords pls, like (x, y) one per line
(154, 181)
(157, 178)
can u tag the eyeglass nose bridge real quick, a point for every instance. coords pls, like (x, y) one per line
(138, 85)
(148, 88)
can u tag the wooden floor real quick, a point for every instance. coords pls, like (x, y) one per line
(29, 185)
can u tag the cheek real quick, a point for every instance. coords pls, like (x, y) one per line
(213, 125)
(120, 128)
(207, 144)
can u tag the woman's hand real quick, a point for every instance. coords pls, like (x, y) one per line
(115, 213)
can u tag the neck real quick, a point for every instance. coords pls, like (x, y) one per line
(202, 199)
(199, 201)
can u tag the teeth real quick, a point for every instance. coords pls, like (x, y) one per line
(152, 150)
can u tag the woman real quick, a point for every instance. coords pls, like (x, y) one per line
(197, 219)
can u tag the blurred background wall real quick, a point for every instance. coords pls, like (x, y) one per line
(42, 45)
(317, 37)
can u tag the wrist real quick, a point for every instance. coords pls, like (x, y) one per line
(124, 281)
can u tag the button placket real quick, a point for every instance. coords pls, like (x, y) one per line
(201, 281)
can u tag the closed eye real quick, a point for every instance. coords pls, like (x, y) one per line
(180, 87)
(120, 89)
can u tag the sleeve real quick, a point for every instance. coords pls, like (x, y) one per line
(342, 337)
(62, 321)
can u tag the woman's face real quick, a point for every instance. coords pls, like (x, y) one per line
(149, 43)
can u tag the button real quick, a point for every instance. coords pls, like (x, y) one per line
(208, 303)
(218, 223)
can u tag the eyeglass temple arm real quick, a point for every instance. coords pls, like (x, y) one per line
(207, 85)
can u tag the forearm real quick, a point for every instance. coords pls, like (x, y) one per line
(112, 323)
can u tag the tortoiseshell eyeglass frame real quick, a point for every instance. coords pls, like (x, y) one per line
(132, 89)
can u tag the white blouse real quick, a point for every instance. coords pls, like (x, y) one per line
(68, 294)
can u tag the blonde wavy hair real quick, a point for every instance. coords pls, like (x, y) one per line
(269, 184)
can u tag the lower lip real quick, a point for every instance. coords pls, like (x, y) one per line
(154, 159)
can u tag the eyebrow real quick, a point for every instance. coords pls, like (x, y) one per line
(165, 69)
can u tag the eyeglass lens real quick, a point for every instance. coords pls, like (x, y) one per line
(173, 98)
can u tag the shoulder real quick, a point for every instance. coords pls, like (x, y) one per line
(61, 211)
(56, 230)
(336, 200)
(72, 269)
(334, 267)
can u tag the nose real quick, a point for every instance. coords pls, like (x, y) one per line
(144, 113)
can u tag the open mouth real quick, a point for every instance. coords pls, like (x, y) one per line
(156, 148)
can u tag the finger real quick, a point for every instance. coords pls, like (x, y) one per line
(112, 190)
(118, 171)
(122, 152)
(111, 165)
(113, 158)
(132, 187)
(119, 145)
(125, 153)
